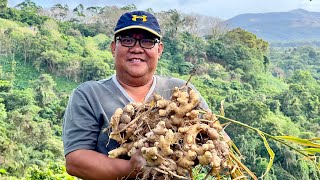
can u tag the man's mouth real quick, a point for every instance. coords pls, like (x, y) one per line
(136, 60)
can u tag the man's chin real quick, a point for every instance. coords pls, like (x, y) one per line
(137, 74)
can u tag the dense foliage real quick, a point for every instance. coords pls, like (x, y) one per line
(45, 54)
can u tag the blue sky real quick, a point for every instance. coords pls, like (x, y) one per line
(223, 9)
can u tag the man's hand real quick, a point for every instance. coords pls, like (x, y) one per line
(138, 162)
(91, 165)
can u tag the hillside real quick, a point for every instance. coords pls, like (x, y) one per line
(42, 59)
(295, 25)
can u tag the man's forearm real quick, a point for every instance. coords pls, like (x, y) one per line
(91, 165)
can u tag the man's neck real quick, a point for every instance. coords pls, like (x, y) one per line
(138, 93)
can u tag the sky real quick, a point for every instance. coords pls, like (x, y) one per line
(223, 9)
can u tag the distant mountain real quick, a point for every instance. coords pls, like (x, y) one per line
(295, 25)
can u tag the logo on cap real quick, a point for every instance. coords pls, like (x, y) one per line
(135, 17)
(138, 20)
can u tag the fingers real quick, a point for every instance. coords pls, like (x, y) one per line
(138, 161)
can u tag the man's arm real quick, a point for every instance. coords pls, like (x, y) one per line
(91, 165)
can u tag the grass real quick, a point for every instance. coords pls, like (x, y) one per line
(17, 27)
(26, 73)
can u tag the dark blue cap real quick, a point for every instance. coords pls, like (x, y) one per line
(138, 20)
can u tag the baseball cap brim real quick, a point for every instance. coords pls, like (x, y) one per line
(138, 27)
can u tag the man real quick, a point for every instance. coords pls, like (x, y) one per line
(136, 48)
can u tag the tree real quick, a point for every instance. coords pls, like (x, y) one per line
(301, 100)
(304, 78)
(73, 69)
(239, 49)
(94, 69)
(250, 40)
(217, 27)
(150, 10)
(53, 170)
(173, 23)
(26, 46)
(95, 9)
(3, 4)
(18, 99)
(48, 59)
(109, 17)
(44, 88)
(193, 48)
(215, 51)
(60, 11)
(29, 6)
(79, 11)
(130, 7)
(5, 86)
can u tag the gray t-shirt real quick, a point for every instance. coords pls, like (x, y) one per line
(92, 105)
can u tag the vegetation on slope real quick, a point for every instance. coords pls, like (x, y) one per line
(43, 59)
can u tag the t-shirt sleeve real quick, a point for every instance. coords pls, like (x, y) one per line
(80, 127)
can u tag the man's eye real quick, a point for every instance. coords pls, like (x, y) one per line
(127, 40)
(147, 40)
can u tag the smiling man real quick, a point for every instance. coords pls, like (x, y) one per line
(136, 55)
(136, 48)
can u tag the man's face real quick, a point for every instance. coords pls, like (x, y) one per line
(135, 63)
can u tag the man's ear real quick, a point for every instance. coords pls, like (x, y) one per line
(160, 49)
(113, 48)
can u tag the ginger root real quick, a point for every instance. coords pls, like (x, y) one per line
(171, 134)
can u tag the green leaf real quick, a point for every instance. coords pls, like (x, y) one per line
(311, 151)
(270, 151)
(299, 141)
(3, 171)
